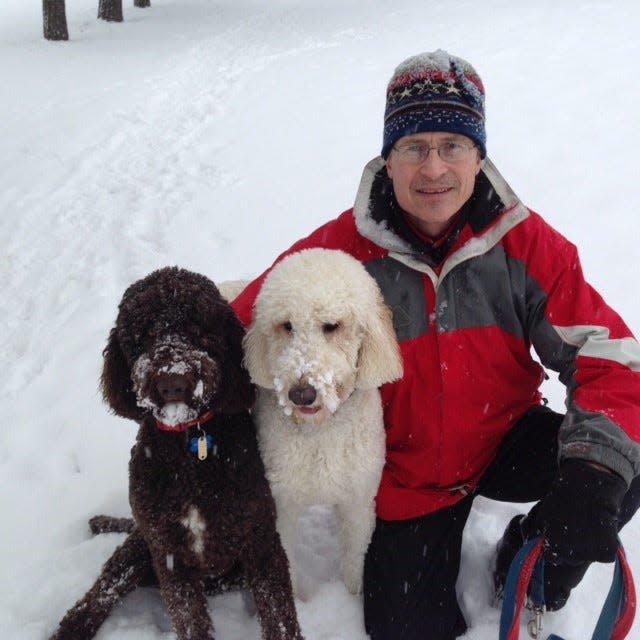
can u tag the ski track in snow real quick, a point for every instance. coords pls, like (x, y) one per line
(135, 184)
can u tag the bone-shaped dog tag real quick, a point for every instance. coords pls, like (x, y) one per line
(202, 448)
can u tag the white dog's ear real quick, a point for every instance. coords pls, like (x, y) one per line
(380, 360)
(255, 357)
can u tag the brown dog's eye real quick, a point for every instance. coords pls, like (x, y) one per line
(330, 327)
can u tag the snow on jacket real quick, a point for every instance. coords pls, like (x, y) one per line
(509, 282)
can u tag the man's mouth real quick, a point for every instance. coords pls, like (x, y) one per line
(433, 191)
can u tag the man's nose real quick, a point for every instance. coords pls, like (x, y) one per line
(433, 165)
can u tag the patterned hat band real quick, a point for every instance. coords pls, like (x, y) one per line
(439, 106)
(408, 122)
(434, 92)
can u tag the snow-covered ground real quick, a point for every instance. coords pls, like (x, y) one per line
(212, 134)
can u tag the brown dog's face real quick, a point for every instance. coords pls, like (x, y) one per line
(175, 351)
(174, 380)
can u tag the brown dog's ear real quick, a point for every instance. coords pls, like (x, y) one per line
(115, 382)
(380, 360)
(239, 393)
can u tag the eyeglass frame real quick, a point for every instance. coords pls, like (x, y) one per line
(401, 150)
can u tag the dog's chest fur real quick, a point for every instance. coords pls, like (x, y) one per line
(178, 500)
(321, 464)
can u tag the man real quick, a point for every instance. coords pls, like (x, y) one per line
(475, 279)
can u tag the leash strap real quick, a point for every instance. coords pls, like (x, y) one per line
(527, 574)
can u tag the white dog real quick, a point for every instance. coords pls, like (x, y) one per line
(320, 345)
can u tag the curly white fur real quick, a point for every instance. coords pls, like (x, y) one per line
(320, 323)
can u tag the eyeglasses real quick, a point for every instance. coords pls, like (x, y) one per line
(417, 153)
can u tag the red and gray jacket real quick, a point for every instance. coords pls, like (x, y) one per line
(508, 283)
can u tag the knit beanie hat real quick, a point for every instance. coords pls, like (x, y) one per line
(434, 92)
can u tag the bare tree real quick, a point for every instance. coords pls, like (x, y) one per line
(141, 3)
(54, 20)
(110, 10)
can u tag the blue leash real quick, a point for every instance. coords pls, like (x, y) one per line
(526, 577)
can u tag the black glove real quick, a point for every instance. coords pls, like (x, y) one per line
(579, 516)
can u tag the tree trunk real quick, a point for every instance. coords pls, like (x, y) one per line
(141, 3)
(54, 20)
(110, 10)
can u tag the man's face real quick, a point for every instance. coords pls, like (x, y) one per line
(431, 192)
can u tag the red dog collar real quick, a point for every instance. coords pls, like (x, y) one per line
(183, 426)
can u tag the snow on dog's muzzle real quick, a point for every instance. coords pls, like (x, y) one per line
(311, 381)
(174, 381)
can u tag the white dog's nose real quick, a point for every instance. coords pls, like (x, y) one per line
(302, 395)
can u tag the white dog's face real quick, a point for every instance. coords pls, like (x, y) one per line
(320, 330)
(313, 362)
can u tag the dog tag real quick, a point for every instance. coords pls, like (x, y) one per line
(202, 448)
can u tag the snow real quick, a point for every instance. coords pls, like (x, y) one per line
(172, 413)
(212, 135)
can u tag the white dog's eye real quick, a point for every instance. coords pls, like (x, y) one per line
(330, 327)
(287, 327)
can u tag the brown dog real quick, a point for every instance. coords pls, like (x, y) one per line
(200, 501)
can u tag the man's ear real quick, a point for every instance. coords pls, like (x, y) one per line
(480, 161)
(389, 167)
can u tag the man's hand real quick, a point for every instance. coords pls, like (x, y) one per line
(579, 516)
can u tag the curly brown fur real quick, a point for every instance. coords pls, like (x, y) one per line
(109, 524)
(200, 525)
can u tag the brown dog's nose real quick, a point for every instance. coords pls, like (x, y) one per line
(302, 395)
(172, 387)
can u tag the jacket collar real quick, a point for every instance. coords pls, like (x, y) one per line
(501, 210)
